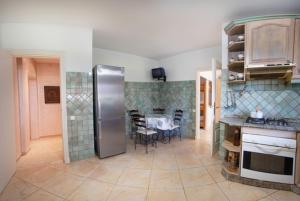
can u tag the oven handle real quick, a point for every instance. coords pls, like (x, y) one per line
(277, 150)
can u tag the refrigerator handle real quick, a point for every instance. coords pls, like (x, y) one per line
(99, 128)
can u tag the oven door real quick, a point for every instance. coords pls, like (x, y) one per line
(268, 163)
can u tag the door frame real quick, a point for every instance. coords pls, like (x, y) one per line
(215, 66)
(60, 56)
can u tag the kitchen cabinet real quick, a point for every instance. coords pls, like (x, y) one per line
(269, 42)
(296, 73)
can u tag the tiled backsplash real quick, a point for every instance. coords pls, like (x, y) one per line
(275, 98)
(138, 95)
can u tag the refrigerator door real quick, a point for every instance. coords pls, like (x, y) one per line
(111, 137)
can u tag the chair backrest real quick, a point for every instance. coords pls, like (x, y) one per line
(178, 115)
(159, 110)
(132, 112)
(140, 121)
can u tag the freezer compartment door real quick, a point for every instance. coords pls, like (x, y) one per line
(112, 137)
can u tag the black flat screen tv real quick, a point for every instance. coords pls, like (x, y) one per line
(159, 73)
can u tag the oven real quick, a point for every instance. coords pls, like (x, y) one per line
(268, 158)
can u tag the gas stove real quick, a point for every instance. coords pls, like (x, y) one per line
(276, 122)
(268, 121)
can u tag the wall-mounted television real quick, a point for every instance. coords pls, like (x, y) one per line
(159, 73)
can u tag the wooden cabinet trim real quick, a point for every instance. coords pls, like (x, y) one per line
(289, 23)
(296, 73)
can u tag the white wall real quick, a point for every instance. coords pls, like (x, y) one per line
(137, 69)
(7, 125)
(73, 45)
(185, 66)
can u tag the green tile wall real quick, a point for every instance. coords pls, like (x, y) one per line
(138, 95)
(180, 94)
(276, 98)
(145, 96)
(80, 105)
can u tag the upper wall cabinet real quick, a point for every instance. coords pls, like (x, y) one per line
(296, 73)
(269, 42)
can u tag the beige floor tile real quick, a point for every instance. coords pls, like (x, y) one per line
(165, 163)
(215, 172)
(141, 162)
(124, 193)
(166, 195)
(91, 190)
(188, 162)
(107, 173)
(63, 184)
(41, 195)
(205, 193)
(22, 173)
(135, 178)
(269, 198)
(42, 176)
(165, 171)
(195, 177)
(166, 179)
(81, 168)
(285, 196)
(240, 192)
(17, 190)
(211, 160)
(122, 160)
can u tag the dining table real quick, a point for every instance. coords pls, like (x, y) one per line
(161, 121)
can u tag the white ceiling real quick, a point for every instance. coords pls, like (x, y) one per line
(150, 28)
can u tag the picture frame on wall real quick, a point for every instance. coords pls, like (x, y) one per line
(52, 94)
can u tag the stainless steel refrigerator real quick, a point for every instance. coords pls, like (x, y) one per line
(109, 110)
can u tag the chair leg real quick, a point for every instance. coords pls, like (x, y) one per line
(180, 133)
(169, 136)
(146, 144)
(135, 141)
(140, 139)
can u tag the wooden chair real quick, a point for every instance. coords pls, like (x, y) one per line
(145, 134)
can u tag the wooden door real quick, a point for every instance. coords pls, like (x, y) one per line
(296, 73)
(269, 42)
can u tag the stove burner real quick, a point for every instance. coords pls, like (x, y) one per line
(251, 120)
(268, 121)
(276, 122)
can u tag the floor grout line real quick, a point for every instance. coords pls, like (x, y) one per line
(135, 160)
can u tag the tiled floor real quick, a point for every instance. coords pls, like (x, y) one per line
(182, 170)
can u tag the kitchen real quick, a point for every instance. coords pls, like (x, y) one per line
(259, 135)
(248, 149)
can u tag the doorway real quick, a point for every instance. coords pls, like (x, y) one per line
(208, 104)
(38, 111)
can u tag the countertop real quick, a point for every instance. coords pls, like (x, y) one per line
(293, 125)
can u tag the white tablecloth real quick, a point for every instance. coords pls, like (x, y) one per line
(161, 121)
